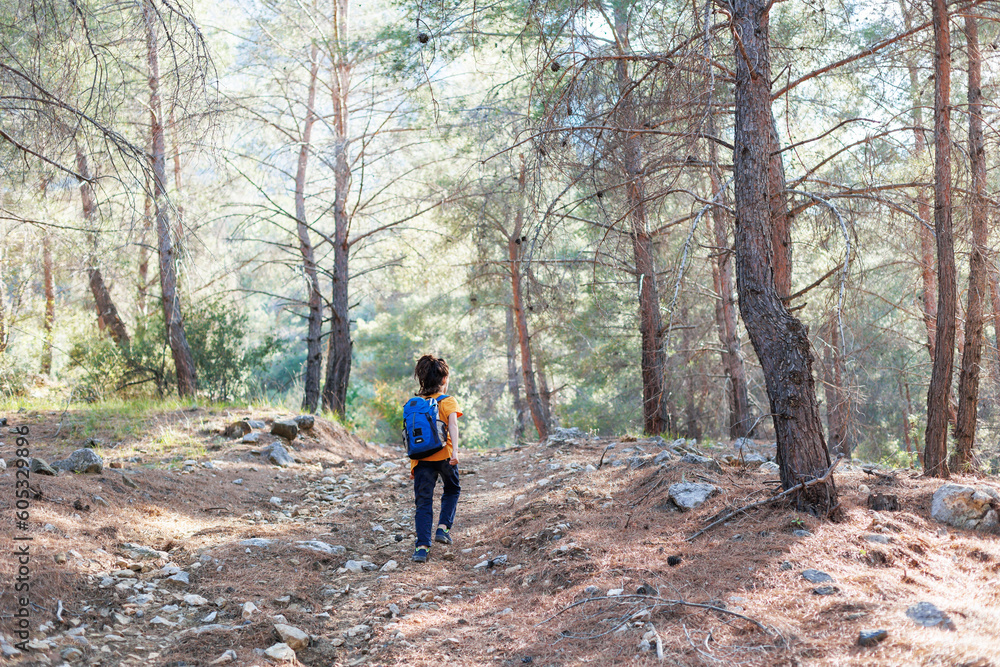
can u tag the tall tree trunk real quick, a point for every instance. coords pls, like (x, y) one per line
(338, 363)
(107, 313)
(314, 330)
(653, 358)
(147, 227)
(781, 219)
(692, 413)
(928, 293)
(178, 209)
(968, 383)
(939, 391)
(780, 340)
(50, 305)
(906, 414)
(513, 384)
(170, 296)
(740, 419)
(836, 417)
(515, 253)
(993, 276)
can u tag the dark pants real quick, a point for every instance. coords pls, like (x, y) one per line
(424, 480)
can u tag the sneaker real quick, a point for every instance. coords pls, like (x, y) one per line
(421, 554)
(443, 535)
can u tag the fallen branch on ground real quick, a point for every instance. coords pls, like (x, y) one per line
(658, 602)
(784, 494)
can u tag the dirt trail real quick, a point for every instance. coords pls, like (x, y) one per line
(554, 561)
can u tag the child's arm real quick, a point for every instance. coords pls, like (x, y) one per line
(453, 433)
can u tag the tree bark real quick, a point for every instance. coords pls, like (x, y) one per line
(780, 340)
(513, 384)
(653, 358)
(939, 391)
(314, 330)
(993, 276)
(968, 383)
(338, 363)
(107, 313)
(928, 296)
(170, 296)
(147, 227)
(50, 305)
(781, 219)
(740, 419)
(515, 252)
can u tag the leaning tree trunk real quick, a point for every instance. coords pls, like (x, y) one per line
(515, 254)
(107, 313)
(781, 218)
(170, 297)
(968, 383)
(740, 420)
(939, 391)
(50, 305)
(338, 363)
(314, 330)
(780, 340)
(653, 360)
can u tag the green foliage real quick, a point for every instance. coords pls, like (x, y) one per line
(229, 361)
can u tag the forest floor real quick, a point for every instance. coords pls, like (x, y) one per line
(585, 578)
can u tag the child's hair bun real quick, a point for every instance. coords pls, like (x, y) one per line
(430, 373)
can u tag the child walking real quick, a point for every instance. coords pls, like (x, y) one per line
(432, 374)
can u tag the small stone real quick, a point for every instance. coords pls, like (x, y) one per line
(40, 467)
(194, 600)
(159, 620)
(247, 610)
(81, 461)
(878, 539)
(238, 481)
(210, 618)
(704, 461)
(275, 500)
(179, 580)
(690, 495)
(770, 467)
(591, 590)
(785, 565)
(287, 429)
(277, 454)
(389, 566)
(615, 591)
(799, 532)
(60, 558)
(304, 422)
(71, 654)
(321, 547)
(662, 457)
(295, 638)
(825, 590)
(227, 657)
(871, 637)
(928, 615)
(816, 576)
(237, 429)
(251, 438)
(282, 652)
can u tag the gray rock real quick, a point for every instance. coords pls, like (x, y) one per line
(816, 576)
(801, 533)
(871, 637)
(662, 457)
(82, 461)
(591, 590)
(745, 445)
(754, 458)
(357, 566)
(770, 467)
(286, 428)
(561, 436)
(705, 461)
(93, 442)
(281, 652)
(251, 438)
(256, 423)
(277, 454)
(963, 506)
(140, 552)
(321, 547)
(179, 580)
(928, 615)
(877, 539)
(295, 638)
(71, 654)
(41, 467)
(261, 542)
(304, 422)
(689, 495)
(3, 464)
(826, 590)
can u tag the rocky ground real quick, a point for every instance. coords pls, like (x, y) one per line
(246, 538)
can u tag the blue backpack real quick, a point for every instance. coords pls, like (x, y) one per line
(423, 432)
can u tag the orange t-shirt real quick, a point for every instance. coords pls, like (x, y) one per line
(446, 408)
